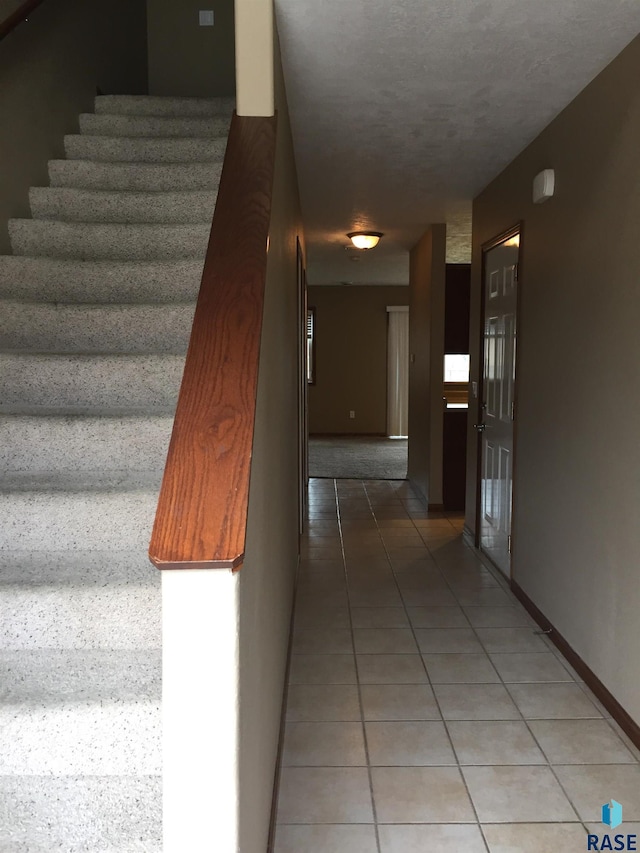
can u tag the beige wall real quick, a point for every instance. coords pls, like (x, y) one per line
(49, 70)
(7, 7)
(577, 481)
(185, 58)
(351, 358)
(267, 577)
(426, 346)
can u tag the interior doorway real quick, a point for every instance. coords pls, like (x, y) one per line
(496, 425)
(348, 398)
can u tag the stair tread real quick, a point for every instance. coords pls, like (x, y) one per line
(153, 126)
(149, 149)
(80, 675)
(87, 616)
(162, 105)
(67, 481)
(111, 569)
(95, 410)
(134, 175)
(89, 383)
(60, 327)
(77, 814)
(57, 444)
(106, 240)
(90, 281)
(120, 207)
(120, 195)
(48, 519)
(92, 716)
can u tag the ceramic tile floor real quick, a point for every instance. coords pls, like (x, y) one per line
(424, 711)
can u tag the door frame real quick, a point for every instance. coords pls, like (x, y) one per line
(518, 228)
(303, 432)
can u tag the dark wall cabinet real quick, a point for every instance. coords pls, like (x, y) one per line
(456, 340)
(454, 458)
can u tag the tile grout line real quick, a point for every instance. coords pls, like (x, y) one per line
(355, 661)
(502, 682)
(485, 651)
(552, 767)
(522, 716)
(446, 728)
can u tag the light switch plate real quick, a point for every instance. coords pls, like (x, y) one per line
(206, 17)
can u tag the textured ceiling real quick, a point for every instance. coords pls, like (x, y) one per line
(403, 110)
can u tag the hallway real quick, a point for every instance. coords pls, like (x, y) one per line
(424, 713)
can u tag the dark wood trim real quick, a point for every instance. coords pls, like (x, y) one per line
(303, 391)
(202, 510)
(500, 238)
(435, 508)
(622, 718)
(20, 16)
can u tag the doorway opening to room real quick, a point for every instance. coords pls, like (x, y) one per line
(358, 395)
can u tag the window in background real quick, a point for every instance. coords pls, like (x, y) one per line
(456, 367)
(456, 380)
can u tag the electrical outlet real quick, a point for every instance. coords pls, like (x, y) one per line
(352, 414)
(205, 17)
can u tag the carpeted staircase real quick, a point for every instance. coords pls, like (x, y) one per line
(96, 305)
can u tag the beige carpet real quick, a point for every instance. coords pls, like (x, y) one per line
(358, 457)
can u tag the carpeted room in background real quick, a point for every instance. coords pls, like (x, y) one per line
(357, 457)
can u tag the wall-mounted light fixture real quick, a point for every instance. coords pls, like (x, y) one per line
(364, 239)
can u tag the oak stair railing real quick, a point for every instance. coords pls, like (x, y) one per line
(202, 509)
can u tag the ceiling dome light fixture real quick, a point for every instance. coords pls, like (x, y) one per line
(364, 239)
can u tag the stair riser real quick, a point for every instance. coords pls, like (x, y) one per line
(39, 238)
(119, 150)
(122, 739)
(82, 520)
(37, 279)
(57, 445)
(134, 177)
(153, 126)
(62, 617)
(68, 205)
(90, 328)
(139, 105)
(93, 383)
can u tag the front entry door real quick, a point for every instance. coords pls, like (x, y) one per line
(498, 406)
